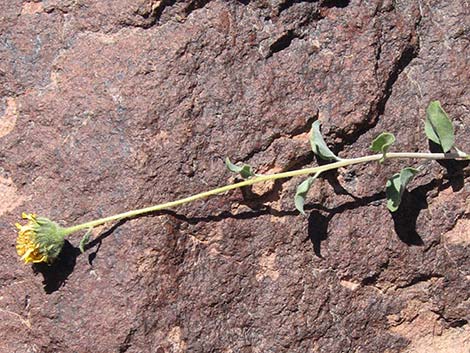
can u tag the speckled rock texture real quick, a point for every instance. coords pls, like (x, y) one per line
(107, 106)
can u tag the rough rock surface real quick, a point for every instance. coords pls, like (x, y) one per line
(107, 106)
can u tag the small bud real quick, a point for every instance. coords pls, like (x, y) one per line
(40, 240)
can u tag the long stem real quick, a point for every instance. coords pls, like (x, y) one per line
(262, 178)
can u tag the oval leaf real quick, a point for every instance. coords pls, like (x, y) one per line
(245, 170)
(438, 127)
(301, 192)
(382, 142)
(318, 144)
(396, 186)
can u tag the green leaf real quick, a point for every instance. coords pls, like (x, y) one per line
(319, 146)
(438, 127)
(245, 170)
(85, 240)
(382, 142)
(302, 191)
(396, 186)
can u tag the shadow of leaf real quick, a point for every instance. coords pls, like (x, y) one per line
(454, 168)
(317, 230)
(404, 219)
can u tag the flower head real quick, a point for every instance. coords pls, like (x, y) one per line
(40, 240)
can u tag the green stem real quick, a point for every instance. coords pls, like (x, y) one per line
(262, 178)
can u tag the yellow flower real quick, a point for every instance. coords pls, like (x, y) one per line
(40, 240)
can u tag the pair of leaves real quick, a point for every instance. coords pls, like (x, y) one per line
(438, 127)
(396, 186)
(320, 148)
(244, 170)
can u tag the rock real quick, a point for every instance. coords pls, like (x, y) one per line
(110, 106)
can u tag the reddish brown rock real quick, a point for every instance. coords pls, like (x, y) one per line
(109, 106)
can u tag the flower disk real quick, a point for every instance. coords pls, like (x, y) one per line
(40, 240)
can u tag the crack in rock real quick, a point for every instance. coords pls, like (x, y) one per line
(283, 42)
(158, 8)
(420, 279)
(377, 109)
(325, 3)
(297, 131)
(124, 346)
